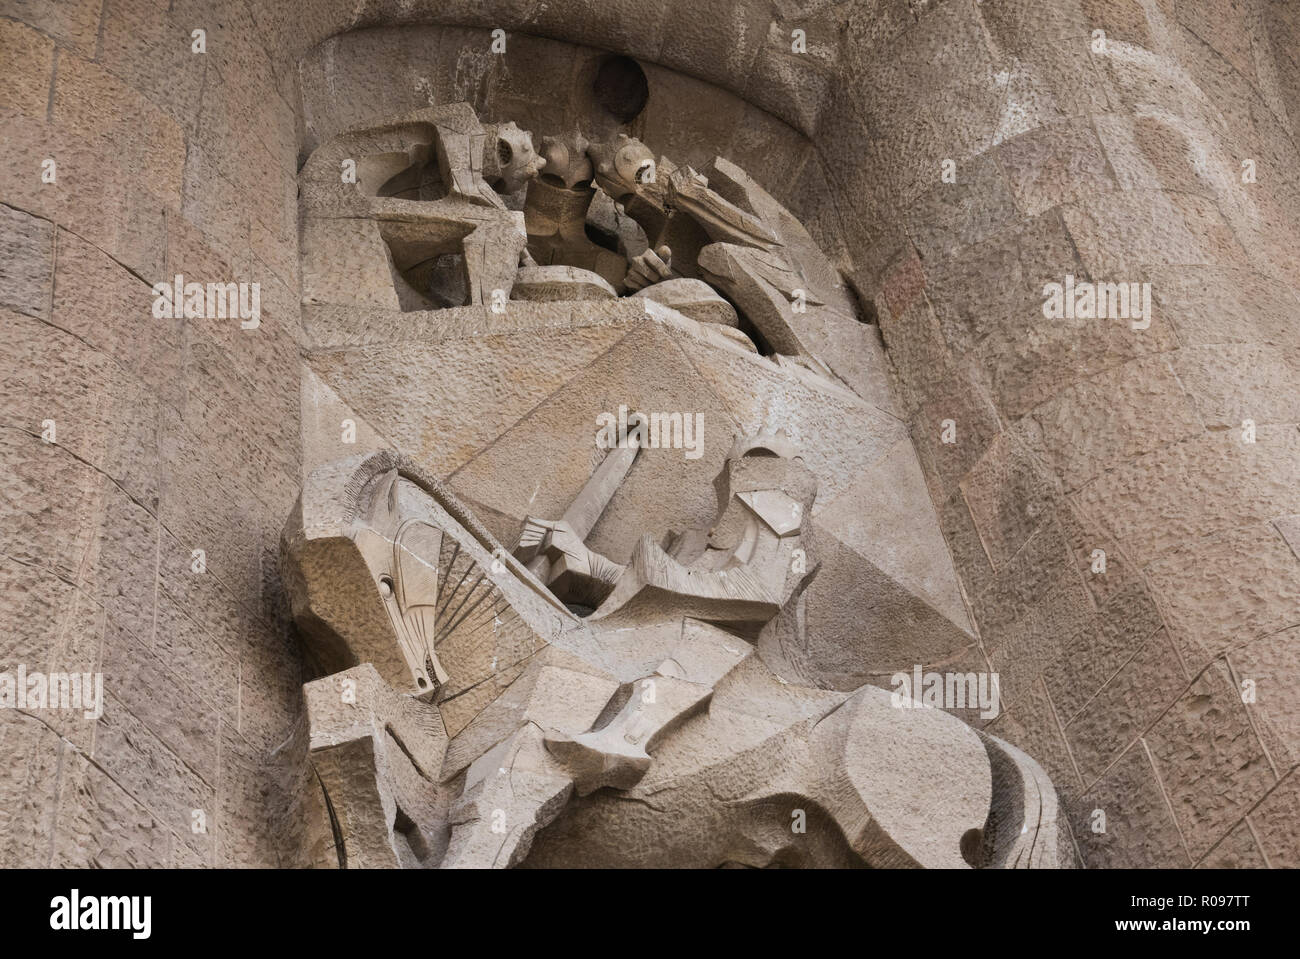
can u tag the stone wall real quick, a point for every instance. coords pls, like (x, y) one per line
(1121, 162)
(171, 436)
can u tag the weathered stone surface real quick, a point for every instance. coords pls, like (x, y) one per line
(1267, 665)
(1138, 826)
(98, 105)
(71, 24)
(1231, 383)
(149, 47)
(1206, 617)
(1031, 722)
(97, 196)
(1009, 494)
(1055, 164)
(1119, 162)
(1123, 413)
(85, 352)
(153, 775)
(1274, 821)
(164, 701)
(29, 67)
(1028, 648)
(1105, 645)
(1033, 573)
(1124, 709)
(560, 283)
(29, 787)
(1238, 850)
(99, 824)
(100, 412)
(27, 252)
(1232, 773)
(692, 298)
(104, 304)
(1184, 492)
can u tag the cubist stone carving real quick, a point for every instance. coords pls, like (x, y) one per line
(485, 705)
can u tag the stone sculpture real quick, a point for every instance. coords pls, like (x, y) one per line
(547, 705)
(649, 732)
(1099, 505)
(721, 231)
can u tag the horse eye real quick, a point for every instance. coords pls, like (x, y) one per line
(386, 586)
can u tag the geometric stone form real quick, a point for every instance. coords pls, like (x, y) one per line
(650, 267)
(583, 718)
(908, 784)
(510, 157)
(544, 284)
(420, 187)
(1002, 846)
(617, 755)
(376, 755)
(555, 551)
(359, 569)
(737, 573)
(509, 794)
(620, 165)
(1080, 501)
(523, 438)
(693, 298)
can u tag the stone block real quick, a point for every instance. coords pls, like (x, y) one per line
(29, 68)
(1209, 760)
(26, 262)
(1139, 828)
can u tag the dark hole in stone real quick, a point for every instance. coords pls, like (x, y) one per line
(412, 849)
(750, 330)
(972, 847)
(447, 281)
(601, 237)
(621, 87)
(866, 306)
(435, 274)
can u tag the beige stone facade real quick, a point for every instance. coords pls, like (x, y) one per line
(359, 585)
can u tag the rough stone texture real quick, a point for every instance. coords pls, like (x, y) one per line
(171, 435)
(1123, 165)
(656, 696)
(1072, 435)
(28, 252)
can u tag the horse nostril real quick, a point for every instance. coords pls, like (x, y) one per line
(972, 843)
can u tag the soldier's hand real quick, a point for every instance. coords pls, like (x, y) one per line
(652, 266)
